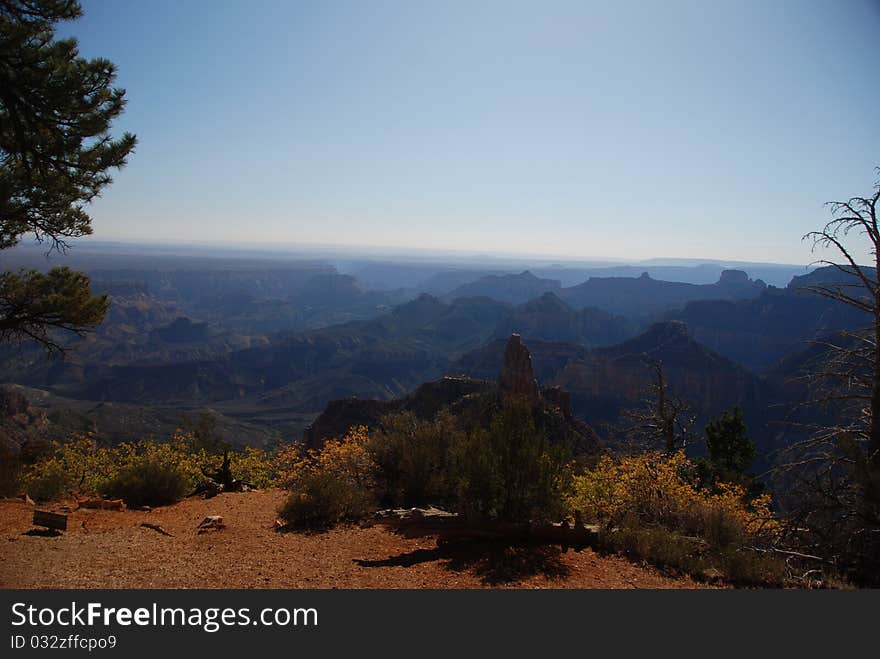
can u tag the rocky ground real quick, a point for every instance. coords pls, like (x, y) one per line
(111, 549)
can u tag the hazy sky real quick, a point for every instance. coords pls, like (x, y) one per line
(612, 129)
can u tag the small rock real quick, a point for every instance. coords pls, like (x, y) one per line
(211, 523)
(411, 513)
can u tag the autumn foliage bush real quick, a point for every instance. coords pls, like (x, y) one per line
(72, 467)
(653, 506)
(79, 466)
(661, 489)
(329, 485)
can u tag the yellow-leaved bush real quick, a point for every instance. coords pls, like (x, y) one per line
(255, 466)
(79, 466)
(328, 485)
(348, 457)
(662, 490)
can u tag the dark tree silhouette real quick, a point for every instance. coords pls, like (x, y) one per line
(835, 474)
(664, 421)
(856, 359)
(731, 451)
(55, 153)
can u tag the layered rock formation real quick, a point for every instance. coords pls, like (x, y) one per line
(517, 375)
(471, 400)
(424, 402)
(599, 384)
(549, 318)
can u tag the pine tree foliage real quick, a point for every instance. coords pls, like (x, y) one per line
(56, 152)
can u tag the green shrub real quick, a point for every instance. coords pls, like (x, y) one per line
(682, 554)
(323, 498)
(744, 566)
(658, 546)
(148, 483)
(413, 460)
(721, 527)
(511, 470)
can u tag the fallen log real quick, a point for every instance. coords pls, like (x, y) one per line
(450, 527)
(24, 498)
(793, 554)
(554, 534)
(102, 504)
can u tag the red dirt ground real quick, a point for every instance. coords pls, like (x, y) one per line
(110, 549)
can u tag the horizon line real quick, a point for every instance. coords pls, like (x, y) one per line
(373, 251)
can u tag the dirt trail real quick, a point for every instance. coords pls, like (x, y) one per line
(110, 549)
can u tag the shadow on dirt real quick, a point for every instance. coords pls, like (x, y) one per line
(43, 533)
(495, 563)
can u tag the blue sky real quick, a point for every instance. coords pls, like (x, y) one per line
(580, 129)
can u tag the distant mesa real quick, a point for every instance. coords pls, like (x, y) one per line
(643, 297)
(829, 275)
(734, 277)
(513, 289)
